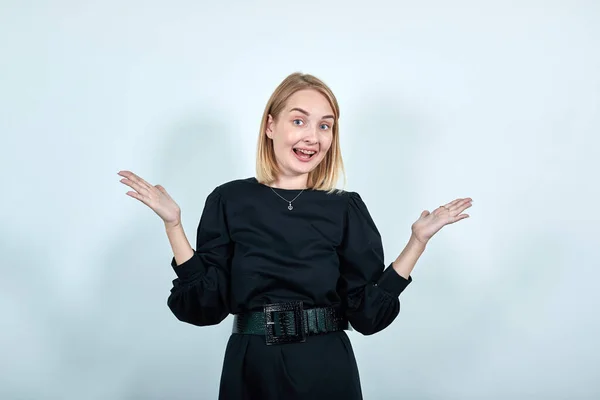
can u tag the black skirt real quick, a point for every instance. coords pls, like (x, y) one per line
(322, 368)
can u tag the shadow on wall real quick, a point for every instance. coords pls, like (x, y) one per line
(31, 320)
(385, 146)
(167, 358)
(474, 338)
(457, 322)
(123, 343)
(198, 155)
(383, 143)
(386, 152)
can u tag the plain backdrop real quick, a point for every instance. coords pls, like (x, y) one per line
(495, 100)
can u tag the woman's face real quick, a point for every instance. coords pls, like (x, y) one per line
(302, 132)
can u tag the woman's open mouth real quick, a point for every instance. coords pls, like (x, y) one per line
(304, 155)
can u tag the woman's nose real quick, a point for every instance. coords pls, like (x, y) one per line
(311, 136)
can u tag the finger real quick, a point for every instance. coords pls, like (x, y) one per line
(136, 196)
(141, 182)
(458, 203)
(134, 185)
(448, 206)
(464, 207)
(135, 178)
(440, 210)
(162, 190)
(458, 218)
(457, 209)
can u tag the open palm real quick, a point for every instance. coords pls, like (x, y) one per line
(429, 224)
(155, 197)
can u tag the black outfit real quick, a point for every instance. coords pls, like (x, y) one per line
(252, 250)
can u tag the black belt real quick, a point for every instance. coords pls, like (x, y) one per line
(289, 322)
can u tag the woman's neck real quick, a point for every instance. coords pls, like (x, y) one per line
(291, 182)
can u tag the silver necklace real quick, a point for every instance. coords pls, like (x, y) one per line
(290, 207)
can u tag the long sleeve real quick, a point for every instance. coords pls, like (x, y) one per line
(200, 293)
(371, 291)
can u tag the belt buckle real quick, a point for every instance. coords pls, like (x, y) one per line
(296, 310)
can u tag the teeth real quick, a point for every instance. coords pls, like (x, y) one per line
(306, 151)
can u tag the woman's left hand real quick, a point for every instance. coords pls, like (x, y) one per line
(429, 224)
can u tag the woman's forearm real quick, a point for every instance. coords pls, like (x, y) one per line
(407, 259)
(182, 250)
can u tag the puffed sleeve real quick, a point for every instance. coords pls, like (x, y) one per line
(369, 289)
(200, 292)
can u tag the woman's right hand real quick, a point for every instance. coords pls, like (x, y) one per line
(155, 197)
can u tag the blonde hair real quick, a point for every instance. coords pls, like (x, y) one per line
(326, 174)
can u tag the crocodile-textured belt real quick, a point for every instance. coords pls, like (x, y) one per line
(289, 322)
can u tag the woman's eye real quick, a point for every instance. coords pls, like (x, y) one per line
(324, 127)
(297, 122)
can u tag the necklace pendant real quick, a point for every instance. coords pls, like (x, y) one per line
(290, 207)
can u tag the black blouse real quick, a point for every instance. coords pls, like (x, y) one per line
(252, 250)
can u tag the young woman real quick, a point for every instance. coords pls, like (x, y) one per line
(293, 259)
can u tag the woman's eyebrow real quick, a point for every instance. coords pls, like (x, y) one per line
(307, 113)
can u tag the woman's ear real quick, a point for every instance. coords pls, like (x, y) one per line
(270, 123)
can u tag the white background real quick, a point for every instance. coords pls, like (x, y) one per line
(498, 101)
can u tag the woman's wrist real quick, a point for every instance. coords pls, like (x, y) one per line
(407, 259)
